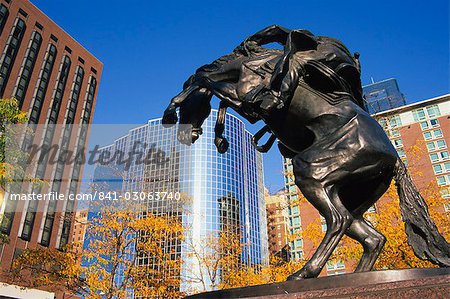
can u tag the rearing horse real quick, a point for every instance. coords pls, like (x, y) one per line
(309, 96)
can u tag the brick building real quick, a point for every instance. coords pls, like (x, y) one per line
(425, 125)
(79, 229)
(277, 221)
(55, 81)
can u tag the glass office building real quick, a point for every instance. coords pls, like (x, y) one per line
(382, 96)
(223, 191)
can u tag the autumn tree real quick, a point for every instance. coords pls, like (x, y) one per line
(219, 264)
(13, 159)
(9, 114)
(127, 252)
(211, 258)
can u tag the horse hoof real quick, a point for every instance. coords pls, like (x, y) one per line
(222, 146)
(194, 136)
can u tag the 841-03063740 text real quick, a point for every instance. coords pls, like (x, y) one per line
(137, 195)
(99, 195)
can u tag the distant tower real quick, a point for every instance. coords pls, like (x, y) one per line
(382, 96)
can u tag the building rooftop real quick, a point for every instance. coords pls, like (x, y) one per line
(416, 105)
(378, 82)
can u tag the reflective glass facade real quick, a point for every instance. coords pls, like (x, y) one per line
(222, 191)
(382, 96)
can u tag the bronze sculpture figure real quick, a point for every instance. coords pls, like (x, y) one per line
(309, 96)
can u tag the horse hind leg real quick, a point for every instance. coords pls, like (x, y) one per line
(371, 240)
(338, 220)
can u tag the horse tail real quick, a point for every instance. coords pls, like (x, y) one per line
(423, 235)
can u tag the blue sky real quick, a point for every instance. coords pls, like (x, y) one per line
(149, 48)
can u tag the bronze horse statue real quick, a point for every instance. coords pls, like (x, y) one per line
(309, 96)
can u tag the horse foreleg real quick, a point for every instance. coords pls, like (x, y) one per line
(371, 240)
(220, 141)
(170, 114)
(338, 220)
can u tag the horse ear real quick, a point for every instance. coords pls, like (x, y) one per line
(301, 40)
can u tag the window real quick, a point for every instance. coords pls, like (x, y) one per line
(437, 133)
(398, 143)
(383, 123)
(298, 243)
(335, 265)
(431, 146)
(59, 92)
(295, 221)
(437, 168)
(401, 153)
(441, 144)
(433, 111)
(433, 134)
(405, 161)
(4, 13)
(27, 68)
(435, 157)
(395, 121)
(434, 123)
(23, 13)
(372, 209)
(434, 145)
(10, 52)
(424, 125)
(419, 115)
(292, 189)
(79, 75)
(447, 166)
(445, 192)
(288, 179)
(295, 210)
(443, 180)
(44, 78)
(48, 224)
(89, 100)
(395, 133)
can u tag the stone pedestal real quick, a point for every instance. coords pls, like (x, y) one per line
(408, 283)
